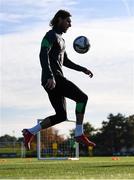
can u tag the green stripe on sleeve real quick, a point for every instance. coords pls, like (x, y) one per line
(45, 43)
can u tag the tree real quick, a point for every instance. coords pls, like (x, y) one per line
(89, 130)
(8, 138)
(116, 133)
(129, 132)
(113, 131)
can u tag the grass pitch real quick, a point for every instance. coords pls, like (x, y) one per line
(85, 168)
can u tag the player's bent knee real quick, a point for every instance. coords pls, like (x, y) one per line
(85, 98)
(61, 117)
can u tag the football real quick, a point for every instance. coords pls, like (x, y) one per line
(81, 44)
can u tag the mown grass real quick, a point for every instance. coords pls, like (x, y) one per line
(85, 168)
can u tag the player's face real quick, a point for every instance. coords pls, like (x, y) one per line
(65, 24)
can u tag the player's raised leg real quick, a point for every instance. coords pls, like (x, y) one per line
(73, 92)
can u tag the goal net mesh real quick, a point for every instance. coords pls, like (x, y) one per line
(53, 144)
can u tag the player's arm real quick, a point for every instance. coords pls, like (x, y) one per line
(68, 63)
(46, 46)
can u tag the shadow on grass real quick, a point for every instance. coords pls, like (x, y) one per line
(31, 167)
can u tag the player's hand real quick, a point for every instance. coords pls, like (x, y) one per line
(88, 72)
(50, 84)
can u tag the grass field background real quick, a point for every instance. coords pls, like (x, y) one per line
(85, 168)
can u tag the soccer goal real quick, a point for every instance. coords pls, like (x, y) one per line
(54, 145)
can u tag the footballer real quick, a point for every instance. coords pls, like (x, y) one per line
(52, 57)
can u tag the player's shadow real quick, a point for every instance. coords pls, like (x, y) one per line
(89, 167)
(114, 165)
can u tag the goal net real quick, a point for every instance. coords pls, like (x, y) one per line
(52, 144)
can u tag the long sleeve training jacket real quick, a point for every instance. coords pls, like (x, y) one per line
(53, 56)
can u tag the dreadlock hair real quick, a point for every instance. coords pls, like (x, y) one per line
(62, 14)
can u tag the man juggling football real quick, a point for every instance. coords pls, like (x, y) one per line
(52, 57)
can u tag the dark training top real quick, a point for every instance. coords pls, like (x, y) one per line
(53, 56)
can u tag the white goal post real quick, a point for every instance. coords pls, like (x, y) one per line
(68, 149)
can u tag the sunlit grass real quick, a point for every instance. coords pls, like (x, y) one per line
(85, 168)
